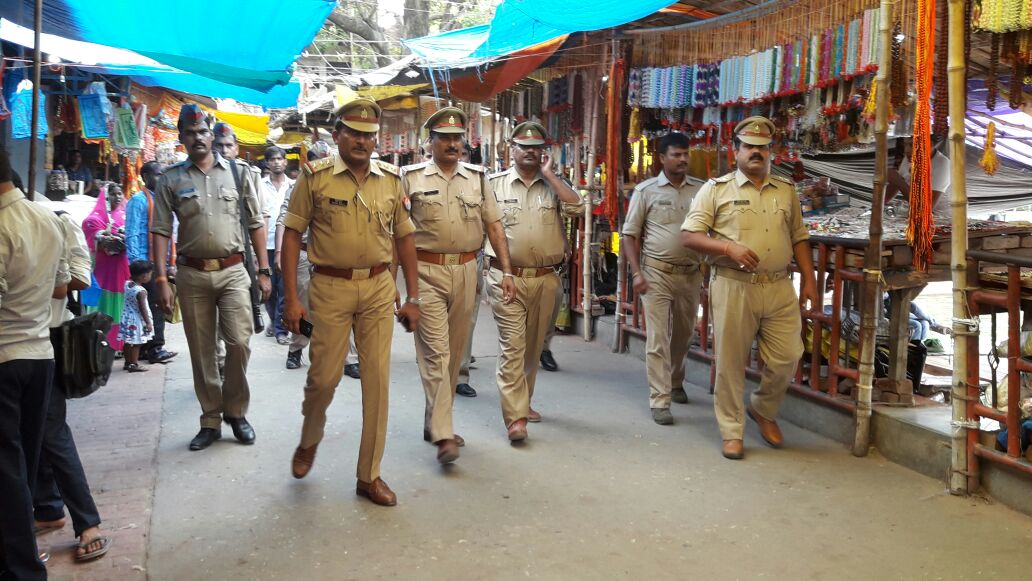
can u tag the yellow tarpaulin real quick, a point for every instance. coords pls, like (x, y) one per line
(249, 129)
(387, 91)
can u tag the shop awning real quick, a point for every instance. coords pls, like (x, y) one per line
(520, 24)
(252, 44)
(143, 70)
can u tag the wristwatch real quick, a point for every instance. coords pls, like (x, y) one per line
(414, 301)
(266, 271)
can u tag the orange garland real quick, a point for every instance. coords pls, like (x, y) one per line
(614, 162)
(921, 228)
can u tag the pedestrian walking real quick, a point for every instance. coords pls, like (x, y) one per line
(750, 225)
(104, 229)
(139, 244)
(33, 270)
(453, 208)
(533, 201)
(355, 216)
(277, 187)
(666, 275)
(212, 283)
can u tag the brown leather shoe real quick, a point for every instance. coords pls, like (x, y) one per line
(768, 428)
(377, 491)
(533, 416)
(303, 460)
(732, 449)
(447, 451)
(458, 439)
(518, 430)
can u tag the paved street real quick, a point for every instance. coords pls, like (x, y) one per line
(598, 491)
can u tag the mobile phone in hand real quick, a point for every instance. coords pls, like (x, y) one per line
(405, 323)
(306, 327)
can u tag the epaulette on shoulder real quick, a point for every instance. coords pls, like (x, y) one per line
(389, 168)
(413, 167)
(645, 183)
(473, 167)
(497, 174)
(783, 179)
(724, 178)
(318, 165)
(177, 164)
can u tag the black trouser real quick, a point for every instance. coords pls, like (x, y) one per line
(24, 391)
(274, 306)
(61, 480)
(158, 316)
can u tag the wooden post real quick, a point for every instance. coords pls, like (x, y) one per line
(959, 432)
(872, 259)
(30, 186)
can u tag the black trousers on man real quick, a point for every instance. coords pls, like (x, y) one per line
(61, 480)
(158, 316)
(24, 392)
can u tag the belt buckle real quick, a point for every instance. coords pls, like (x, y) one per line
(756, 278)
(452, 259)
(360, 273)
(210, 264)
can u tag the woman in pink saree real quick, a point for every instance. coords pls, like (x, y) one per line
(105, 235)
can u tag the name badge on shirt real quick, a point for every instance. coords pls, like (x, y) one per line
(741, 202)
(665, 203)
(186, 192)
(431, 192)
(511, 201)
(338, 202)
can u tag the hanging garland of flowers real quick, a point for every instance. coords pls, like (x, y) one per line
(898, 95)
(940, 123)
(992, 86)
(989, 162)
(920, 228)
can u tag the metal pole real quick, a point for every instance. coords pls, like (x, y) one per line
(872, 258)
(36, 68)
(958, 252)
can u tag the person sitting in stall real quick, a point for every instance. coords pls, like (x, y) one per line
(899, 174)
(77, 171)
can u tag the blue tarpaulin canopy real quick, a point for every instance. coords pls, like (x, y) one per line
(252, 44)
(518, 24)
(145, 71)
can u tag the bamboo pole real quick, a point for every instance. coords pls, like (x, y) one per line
(588, 209)
(872, 259)
(493, 154)
(30, 186)
(959, 482)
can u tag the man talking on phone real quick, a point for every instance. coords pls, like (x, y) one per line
(353, 210)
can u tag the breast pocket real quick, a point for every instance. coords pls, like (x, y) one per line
(427, 207)
(337, 213)
(744, 218)
(230, 200)
(547, 209)
(187, 203)
(471, 207)
(510, 215)
(667, 214)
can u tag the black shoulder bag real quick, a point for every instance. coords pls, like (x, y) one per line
(249, 261)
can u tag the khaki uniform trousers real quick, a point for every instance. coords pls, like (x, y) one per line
(337, 306)
(555, 315)
(219, 299)
(304, 280)
(742, 312)
(671, 308)
(467, 355)
(448, 294)
(521, 333)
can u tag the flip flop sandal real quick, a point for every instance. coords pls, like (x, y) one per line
(105, 544)
(135, 368)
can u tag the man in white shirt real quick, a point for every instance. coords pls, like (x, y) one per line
(275, 185)
(33, 270)
(899, 176)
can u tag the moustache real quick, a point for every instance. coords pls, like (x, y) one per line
(757, 157)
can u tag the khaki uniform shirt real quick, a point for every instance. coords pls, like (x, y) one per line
(767, 220)
(450, 215)
(350, 224)
(533, 220)
(657, 210)
(208, 207)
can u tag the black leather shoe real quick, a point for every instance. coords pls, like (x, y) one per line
(294, 359)
(206, 437)
(351, 370)
(548, 362)
(161, 356)
(241, 429)
(465, 390)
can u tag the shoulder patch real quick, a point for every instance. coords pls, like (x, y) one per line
(389, 168)
(318, 165)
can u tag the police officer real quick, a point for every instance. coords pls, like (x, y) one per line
(750, 224)
(354, 212)
(452, 208)
(532, 199)
(211, 279)
(666, 276)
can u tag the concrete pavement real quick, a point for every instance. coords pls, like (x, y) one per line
(598, 491)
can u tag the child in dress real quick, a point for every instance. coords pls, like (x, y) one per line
(136, 327)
